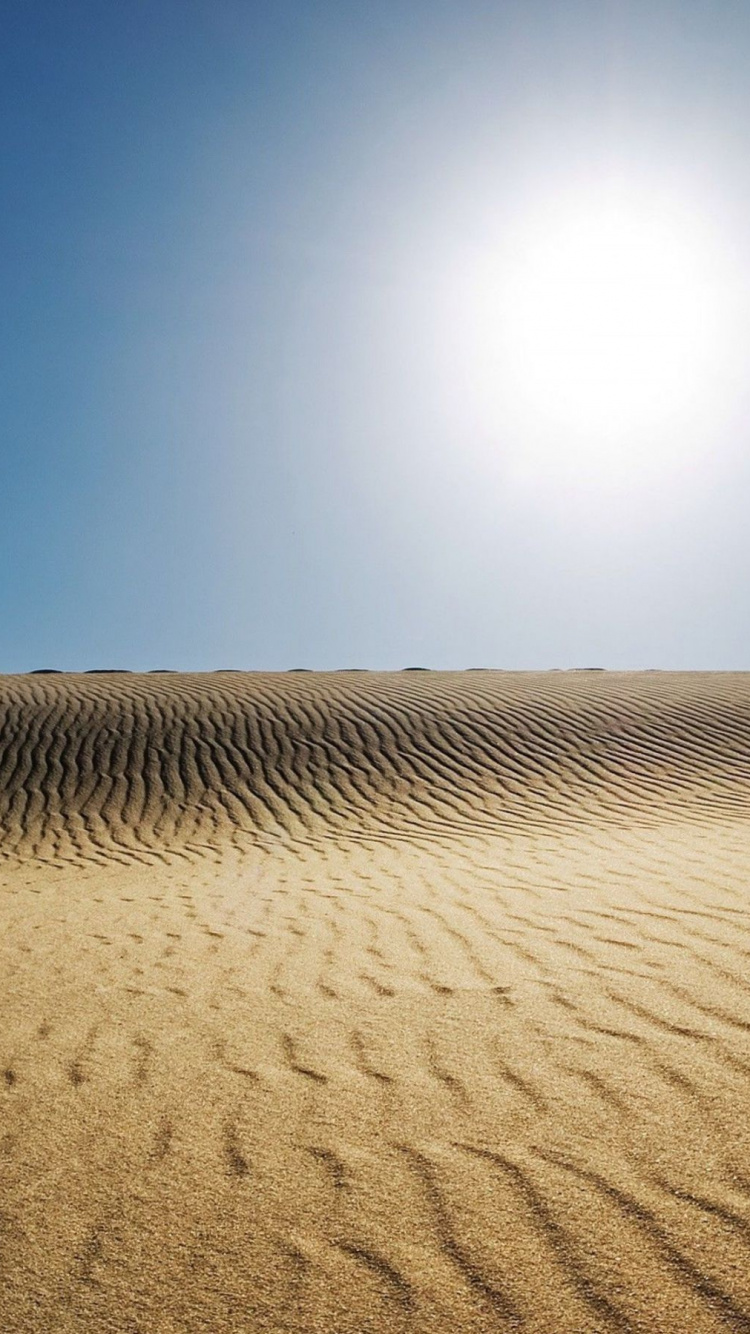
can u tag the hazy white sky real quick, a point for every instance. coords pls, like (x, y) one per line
(375, 334)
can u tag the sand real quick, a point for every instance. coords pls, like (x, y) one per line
(375, 1002)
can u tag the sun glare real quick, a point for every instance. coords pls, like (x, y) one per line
(600, 334)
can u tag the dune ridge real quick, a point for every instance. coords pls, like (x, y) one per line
(397, 1003)
(151, 762)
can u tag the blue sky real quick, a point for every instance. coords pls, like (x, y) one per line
(239, 424)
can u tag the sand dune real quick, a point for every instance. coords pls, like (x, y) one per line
(375, 1002)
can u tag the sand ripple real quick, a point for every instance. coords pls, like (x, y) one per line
(119, 762)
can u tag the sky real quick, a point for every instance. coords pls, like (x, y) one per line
(302, 343)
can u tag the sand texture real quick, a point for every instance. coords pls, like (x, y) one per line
(375, 1002)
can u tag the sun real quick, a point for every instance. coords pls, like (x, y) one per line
(600, 332)
(606, 321)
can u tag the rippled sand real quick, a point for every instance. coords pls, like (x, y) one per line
(375, 1002)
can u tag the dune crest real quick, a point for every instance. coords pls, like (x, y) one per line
(111, 763)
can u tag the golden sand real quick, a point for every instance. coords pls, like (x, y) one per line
(375, 1002)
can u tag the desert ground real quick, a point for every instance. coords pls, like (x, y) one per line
(390, 1002)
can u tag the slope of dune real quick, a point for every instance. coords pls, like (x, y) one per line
(375, 1002)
